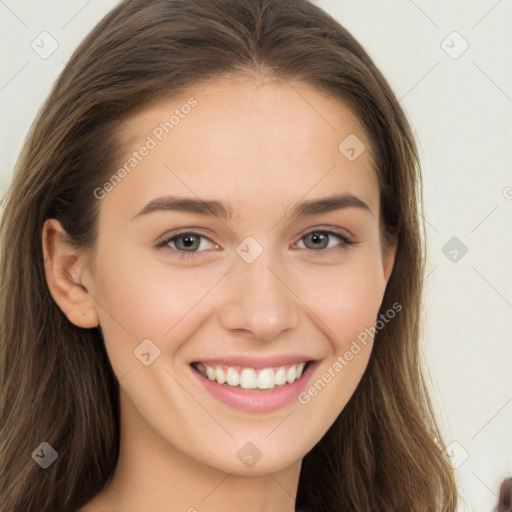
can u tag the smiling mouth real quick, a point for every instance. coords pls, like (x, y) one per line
(248, 378)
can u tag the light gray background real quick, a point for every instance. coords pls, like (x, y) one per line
(460, 107)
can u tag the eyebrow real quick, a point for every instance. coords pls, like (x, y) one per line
(223, 210)
(329, 204)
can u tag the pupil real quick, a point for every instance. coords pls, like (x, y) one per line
(188, 241)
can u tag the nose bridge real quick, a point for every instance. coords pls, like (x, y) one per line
(258, 298)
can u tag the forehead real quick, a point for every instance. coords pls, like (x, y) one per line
(242, 137)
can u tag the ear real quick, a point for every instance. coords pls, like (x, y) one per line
(64, 267)
(389, 258)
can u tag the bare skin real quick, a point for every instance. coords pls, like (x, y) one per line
(262, 148)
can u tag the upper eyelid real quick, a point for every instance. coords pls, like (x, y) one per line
(331, 231)
(166, 239)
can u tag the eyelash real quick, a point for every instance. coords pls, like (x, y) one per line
(346, 243)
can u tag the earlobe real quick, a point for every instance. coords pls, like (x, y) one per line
(63, 263)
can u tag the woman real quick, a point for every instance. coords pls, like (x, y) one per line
(194, 334)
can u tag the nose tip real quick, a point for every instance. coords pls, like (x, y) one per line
(259, 301)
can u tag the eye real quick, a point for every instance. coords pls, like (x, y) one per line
(319, 241)
(187, 243)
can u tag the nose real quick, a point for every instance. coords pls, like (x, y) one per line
(259, 300)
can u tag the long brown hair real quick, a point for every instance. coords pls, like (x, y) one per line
(384, 451)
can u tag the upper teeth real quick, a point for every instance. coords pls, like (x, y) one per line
(249, 378)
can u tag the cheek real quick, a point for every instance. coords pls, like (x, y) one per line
(142, 299)
(346, 298)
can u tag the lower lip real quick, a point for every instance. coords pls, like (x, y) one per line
(257, 401)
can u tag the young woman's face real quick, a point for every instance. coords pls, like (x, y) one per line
(248, 286)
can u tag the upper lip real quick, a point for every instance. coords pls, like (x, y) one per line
(255, 362)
